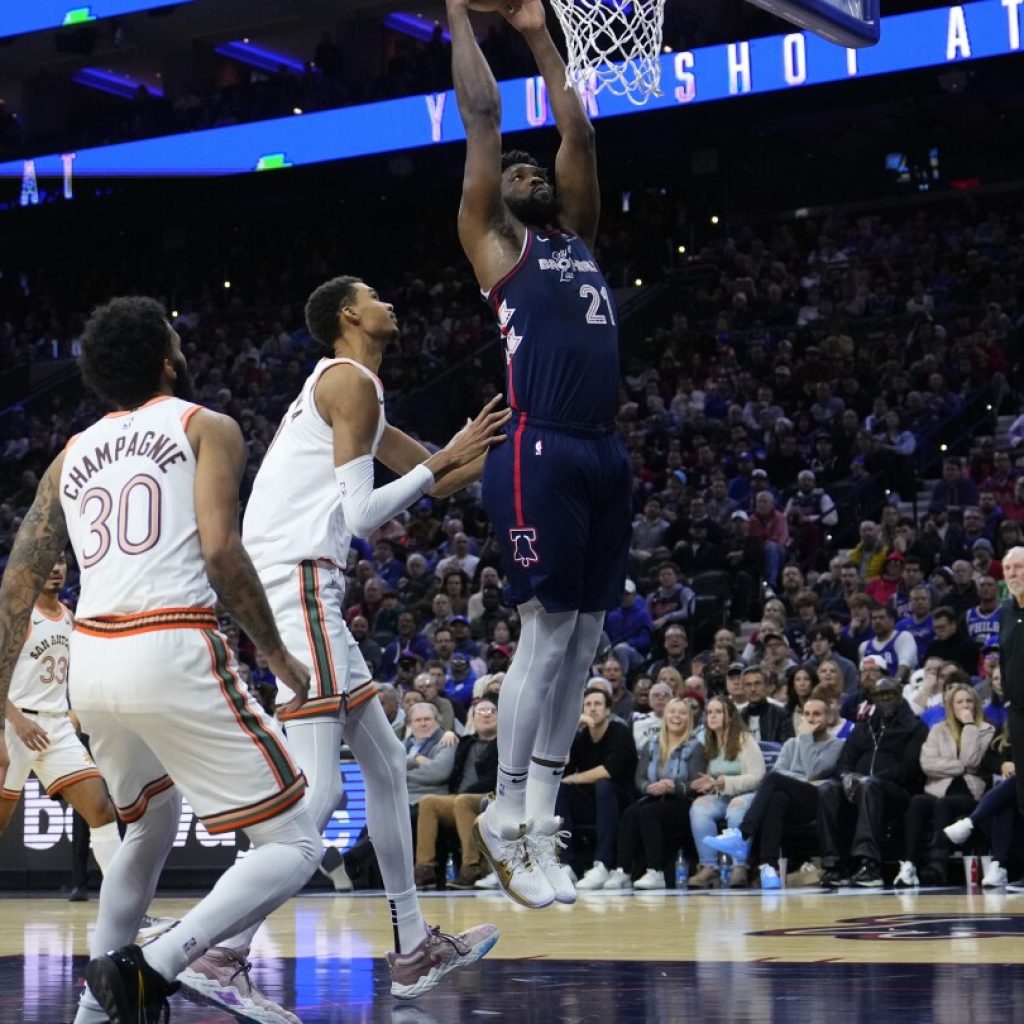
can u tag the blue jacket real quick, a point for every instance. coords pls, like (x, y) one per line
(685, 763)
(631, 625)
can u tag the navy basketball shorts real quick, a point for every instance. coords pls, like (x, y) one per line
(560, 505)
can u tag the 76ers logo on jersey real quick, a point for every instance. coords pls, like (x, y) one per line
(523, 551)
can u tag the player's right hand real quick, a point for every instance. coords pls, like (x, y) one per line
(480, 434)
(31, 735)
(291, 673)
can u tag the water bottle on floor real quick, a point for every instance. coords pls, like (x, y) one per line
(449, 869)
(682, 872)
(724, 869)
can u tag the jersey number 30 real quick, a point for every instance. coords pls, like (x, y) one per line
(136, 526)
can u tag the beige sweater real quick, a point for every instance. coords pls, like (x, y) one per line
(941, 763)
(751, 769)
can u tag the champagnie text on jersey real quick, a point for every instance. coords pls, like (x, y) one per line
(148, 444)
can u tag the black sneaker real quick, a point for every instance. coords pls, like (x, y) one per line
(834, 878)
(128, 988)
(868, 876)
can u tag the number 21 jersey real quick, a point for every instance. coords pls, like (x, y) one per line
(127, 488)
(559, 331)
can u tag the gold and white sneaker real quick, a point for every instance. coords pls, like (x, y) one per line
(544, 842)
(507, 850)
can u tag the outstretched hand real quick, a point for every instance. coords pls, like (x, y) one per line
(527, 16)
(479, 434)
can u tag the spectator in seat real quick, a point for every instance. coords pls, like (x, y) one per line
(474, 775)
(455, 583)
(810, 513)
(744, 561)
(952, 762)
(461, 558)
(837, 599)
(924, 690)
(491, 613)
(829, 690)
(982, 621)
(878, 772)
(776, 657)
(460, 681)
(647, 726)
(859, 705)
(952, 643)
(406, 639)
(767, 722)
(800, 681)
(963, 594)
(629, 628)
(675, 643)
(417, 583)
(368, 647)
(441, 613)
(598, 783)
(649, 532)
(735, 768)
(622, 700)
(672, 601)
(389, 568)
(870, 553)
(654, 825)
(788, 795)
(954, 490)
(429, 760)
(883, 587)
(768, 525)
(822, 639)
(983, 560)
(919, 622)
(429, 685)
(895, 647)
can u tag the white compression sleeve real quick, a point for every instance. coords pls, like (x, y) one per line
(365, 508)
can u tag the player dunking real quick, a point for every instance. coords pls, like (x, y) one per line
(313, 491)
(558, 493)
(149, 498)
(41, 737)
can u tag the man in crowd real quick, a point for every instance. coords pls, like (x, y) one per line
(767, 722)
(878, 771)
(895, 647)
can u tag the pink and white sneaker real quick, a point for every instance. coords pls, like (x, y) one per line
(220, 977)
(419, 970)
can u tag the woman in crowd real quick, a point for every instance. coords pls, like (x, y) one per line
(456, 585)
(673, 677)
(799, 683)
(951, 760)
(656, 824)
(996, 812)
(735, 768)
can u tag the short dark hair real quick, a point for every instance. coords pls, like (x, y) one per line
(945, 612)
(443, 629)
(601, 690)
(324, 305)
(124, 345)
(512, 157)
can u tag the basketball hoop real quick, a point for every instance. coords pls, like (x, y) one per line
(613, 45)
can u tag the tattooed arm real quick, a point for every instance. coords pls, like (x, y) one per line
(39, 542)
(220, 459)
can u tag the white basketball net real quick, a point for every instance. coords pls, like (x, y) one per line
(614, 45)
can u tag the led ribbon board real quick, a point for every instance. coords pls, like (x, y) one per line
(943, 36)
(20, 16)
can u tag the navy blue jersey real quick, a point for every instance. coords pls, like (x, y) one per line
(560, 333)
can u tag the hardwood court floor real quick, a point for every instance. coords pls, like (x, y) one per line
(796, 957)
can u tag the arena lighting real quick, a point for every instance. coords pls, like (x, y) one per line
(23, 16)
(258, 57)
(113, 83)
(419, 28)
(944, 36)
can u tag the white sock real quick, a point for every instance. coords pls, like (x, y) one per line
(105, 842)
(546, 772)
(406, 920)
(510, 808)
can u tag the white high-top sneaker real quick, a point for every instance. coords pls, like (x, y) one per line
(907, 877)
(507, 851)
(544, 841)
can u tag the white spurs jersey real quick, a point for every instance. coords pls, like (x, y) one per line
(39, 681)
(294, 512)
(128, 492)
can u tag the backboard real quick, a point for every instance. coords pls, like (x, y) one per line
(845, 22)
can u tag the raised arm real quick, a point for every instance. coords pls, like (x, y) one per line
(220, 459)
(40, 540)
(481, 212)
(579, 195)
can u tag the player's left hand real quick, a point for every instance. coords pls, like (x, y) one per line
(31, 735)
(290, 671)
(527, 16)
